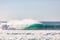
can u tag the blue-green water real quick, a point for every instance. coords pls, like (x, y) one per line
(43, 27)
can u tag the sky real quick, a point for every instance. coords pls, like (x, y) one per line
(45, 10)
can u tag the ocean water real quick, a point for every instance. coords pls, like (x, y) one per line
(32, 27)
(29, 31)
(43, 27)
(29, 25)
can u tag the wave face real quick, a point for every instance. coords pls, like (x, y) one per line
(43, 27)
(34, 27)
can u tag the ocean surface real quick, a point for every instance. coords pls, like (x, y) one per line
(35, 31)
(29, 25)
(43, 26)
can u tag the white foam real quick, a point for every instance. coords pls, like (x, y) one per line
(21, 24)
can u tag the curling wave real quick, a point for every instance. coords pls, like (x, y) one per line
(19, 24)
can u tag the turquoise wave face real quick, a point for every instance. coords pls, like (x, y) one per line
(34, 27)
(42, 27)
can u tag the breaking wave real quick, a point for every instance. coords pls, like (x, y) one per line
(28, 24)
(19, 24)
